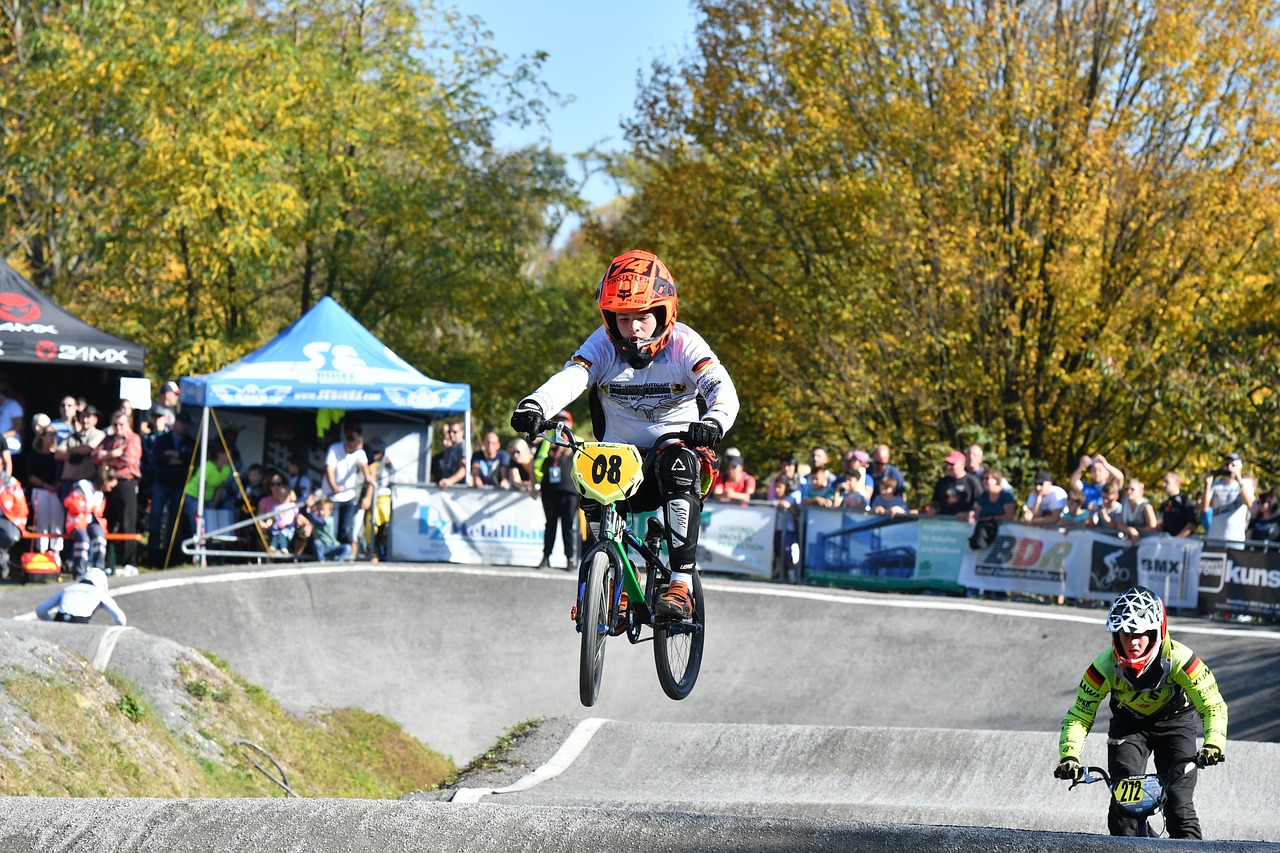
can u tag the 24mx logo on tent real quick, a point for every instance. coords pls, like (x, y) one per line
(17, 308)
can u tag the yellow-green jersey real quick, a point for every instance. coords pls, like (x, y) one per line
(1186, 682)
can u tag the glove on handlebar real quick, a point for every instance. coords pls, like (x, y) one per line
(1069, 768)
(704, 433)
(1209, 756)
(527, 418)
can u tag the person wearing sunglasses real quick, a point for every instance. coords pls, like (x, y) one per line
(449, 466)
(280, 499)
(346, 470)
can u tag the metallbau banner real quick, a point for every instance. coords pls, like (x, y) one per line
(505, 528)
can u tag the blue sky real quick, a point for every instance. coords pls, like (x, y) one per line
(596, 49)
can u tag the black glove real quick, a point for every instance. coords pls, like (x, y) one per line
(1209, 756)
(1069, 768)
(527, 418)
(704, 433)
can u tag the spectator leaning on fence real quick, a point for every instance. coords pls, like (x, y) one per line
(880, 468)
(1109, 511)
(733, 483)
(956, 492)
(1046, 501)
(1074, 513)
(853, 489)
(1178, 513)
(1265, 524)
(887, 501)
(788, 478)
(995, 501)
(1137, 515)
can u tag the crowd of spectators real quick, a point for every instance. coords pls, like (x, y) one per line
(1095, 494)
(79, 486)
(1226, 508)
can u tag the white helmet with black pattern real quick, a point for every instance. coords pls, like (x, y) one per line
(1137, 610)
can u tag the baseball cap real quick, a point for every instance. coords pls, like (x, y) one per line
(1232, 457)
(955, 456)
(1043, 477)
(169, 386)
(733, 459)
(861, 456)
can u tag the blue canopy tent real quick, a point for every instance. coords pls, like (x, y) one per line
(324, 360)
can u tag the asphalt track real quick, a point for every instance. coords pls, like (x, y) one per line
(823, 719)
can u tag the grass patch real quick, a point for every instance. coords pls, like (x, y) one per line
(79, 733)
(496, 758)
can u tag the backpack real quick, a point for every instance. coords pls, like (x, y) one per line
(984, 533)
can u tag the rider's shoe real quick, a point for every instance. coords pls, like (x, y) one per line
(676, 602)
(621, 625)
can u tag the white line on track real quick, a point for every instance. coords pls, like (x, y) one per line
(106, 646)
(908, 602)
(557, 764)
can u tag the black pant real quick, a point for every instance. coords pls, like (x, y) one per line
(122, 517)
(561, 508)
(1173, 742)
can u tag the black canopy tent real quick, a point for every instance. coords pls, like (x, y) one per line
(47, 353)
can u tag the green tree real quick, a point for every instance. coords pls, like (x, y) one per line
(193, 175)
(1051, 221)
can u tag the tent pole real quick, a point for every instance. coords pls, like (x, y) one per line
(204, 457)
(466, 448)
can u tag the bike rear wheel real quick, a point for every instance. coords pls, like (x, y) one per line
(677, 648)
(595, 626)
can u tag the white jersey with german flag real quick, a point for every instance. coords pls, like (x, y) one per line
(641, 405)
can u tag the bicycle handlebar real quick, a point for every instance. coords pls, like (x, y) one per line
(571, 441)
(1087, 777)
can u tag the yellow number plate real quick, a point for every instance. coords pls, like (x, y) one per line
(1130, 790)
(606, 471)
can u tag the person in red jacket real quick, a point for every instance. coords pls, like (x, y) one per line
(13, 518)
(86, 526)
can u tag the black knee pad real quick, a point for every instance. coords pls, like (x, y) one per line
(678, 472)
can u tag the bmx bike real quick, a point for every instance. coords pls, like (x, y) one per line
(610, 473)
(1141, 795)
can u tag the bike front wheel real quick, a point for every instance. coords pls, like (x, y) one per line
(677, 648)
(595, 626)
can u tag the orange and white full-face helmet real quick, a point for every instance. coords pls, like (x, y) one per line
(634, 282)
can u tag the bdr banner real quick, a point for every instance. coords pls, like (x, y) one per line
(1084, 564)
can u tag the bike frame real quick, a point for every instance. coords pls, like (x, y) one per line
(618, 537)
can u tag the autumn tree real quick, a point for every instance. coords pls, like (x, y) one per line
(194, 175)
(906, 221)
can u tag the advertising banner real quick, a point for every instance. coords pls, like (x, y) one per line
(1240, 582)
(1083, 564)
(478, 526)
(1022, 558)
(735, 538)
(943, 544)
(854, 549)
(504, 528)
